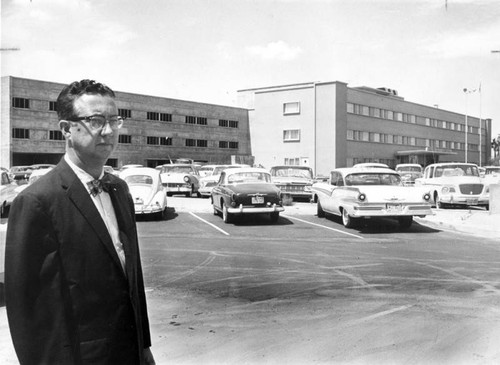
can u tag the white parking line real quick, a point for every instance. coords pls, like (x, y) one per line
(320, 225)
(210, 224)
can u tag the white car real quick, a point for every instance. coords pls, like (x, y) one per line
(366, 165)
(490, 175)
(207, 183)
(180, 179)
(455, 184)
(207, 170)
(295, 181)
(409, 172)
(146, 190)
(364, 193)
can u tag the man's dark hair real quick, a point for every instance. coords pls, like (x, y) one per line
(76, 89)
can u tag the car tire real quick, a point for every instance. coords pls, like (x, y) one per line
(347, 220)
(216, 212)
(405, 222)
(226, 216)
(274, 216)
(319, 210)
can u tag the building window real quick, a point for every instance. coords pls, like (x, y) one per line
(233, 145)
(201, 143)
(20, 133)
(350, 108)
(291, 135)
(56, 135)
(165, 117)
(125, 138)
(201, 120)
(190, 142)
(399, 116)
(376, 112)
(53, 106)
(223, 144)
(291, 108)
(125, 113)
(365, 110)
(152, 116)
(190, 119)
(21, 103)
(350, 135)
(390, 115)
(165, 141)
(294, 161)
(228, 123)
(153, 140)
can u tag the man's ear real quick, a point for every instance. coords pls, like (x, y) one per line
(64, 127)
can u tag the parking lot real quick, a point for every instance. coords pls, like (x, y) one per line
(307, 290)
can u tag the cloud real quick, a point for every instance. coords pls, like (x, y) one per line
(275, 51)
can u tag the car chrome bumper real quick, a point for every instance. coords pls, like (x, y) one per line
(464, 200)
(243, 209)
(385, 212)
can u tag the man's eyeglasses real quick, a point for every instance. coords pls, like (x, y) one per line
(99, 121)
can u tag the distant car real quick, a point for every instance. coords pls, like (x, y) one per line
(409, 172)
(242, 191)
(207, 183)
(110, 170)
(180, 179)
(124, 167)
(35, 175)
(7, 193)
(147, 191)
(365, 193)
(42, 166)
(455, 184)
(295, 181)
(20, 174)
(207, 170)
(371, 165)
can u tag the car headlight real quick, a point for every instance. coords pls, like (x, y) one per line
(427, 197)
(361, 197)
(307, 188)
(447, 189)
(186, 179)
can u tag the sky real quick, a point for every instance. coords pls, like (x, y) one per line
(206, 50)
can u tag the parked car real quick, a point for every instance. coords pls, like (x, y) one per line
(146, 190)
(371, 165)
(365, 193)
(130, 166)
(7, 193)
(295, 181)
(34, 176)
(455, 184)
(42, 166)
(207, 170)
(249, 190)
(180, 179)
(207, 183)
(409, 172)
(20, 174)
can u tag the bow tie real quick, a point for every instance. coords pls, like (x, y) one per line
(98, 186)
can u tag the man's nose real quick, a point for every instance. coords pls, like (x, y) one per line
(107, 128)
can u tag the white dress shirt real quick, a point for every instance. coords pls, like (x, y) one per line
(104, 205)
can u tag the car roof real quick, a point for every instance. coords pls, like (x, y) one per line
(291, 167)
(358, 170)
(245, 169)
(138, 171)
(452, 163)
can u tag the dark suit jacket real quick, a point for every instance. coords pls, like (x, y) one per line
(68, 299)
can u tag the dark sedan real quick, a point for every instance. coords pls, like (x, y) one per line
(243, 191)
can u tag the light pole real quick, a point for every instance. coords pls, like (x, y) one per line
(467, 92)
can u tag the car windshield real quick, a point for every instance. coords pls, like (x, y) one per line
(372, 179)
(248, 177)
(409, 169)
(179, 169)
(219, 169)
(139, 179)
(456, 170)
(292, 172)
(492, 170)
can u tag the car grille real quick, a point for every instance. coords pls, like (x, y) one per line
(469, 189)
(291, 188)
(175, 185)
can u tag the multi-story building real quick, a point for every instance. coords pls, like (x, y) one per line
(328, 124)
(156, 130)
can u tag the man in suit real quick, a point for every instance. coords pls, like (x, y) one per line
(73, 277)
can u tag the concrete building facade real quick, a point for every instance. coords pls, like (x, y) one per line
(326, 125)
(157, 130)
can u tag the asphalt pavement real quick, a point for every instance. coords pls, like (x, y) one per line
(476, 222)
